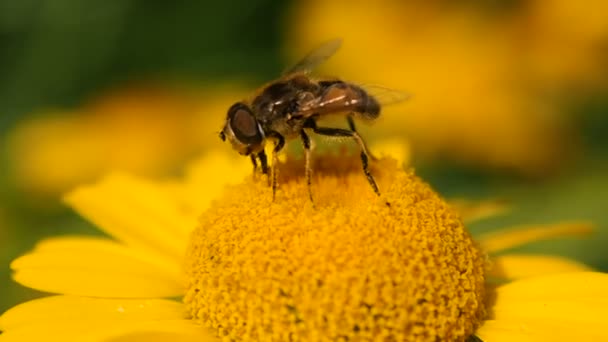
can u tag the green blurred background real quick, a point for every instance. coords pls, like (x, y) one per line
(509, 98)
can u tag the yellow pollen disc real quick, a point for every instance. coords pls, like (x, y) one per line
(350, 268)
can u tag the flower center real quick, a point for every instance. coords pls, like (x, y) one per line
(351, 268)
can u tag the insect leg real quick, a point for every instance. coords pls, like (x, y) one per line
(264, 164)
(280, 142)
(307, 152)
(254, 162)
(351, 125)
(338, 132)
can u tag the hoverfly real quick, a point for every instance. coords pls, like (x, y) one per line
(286, 108)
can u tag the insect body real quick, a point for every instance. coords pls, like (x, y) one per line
(285, 109)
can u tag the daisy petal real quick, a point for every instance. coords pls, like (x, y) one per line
(91, 319)
(207, 177)
(499, 331)
(576, 285)
(136, 212)
(73, 309)
(472, 211)
(509, 238)
(174, 331)
(395, 148)
(516, 266)
(102, 268)
(103, 330)
(561, 307)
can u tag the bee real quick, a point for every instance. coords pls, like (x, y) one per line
(287, 108)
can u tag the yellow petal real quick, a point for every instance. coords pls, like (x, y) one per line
(78, 244)
(508, 331)
(70, 318)
(72, 309)
(207, 177)
(568, 285)
(397, 149)
(513, 237)
(472, 211)
(516, 266)
(96, 267)
(176, 331)
(561, 307)
(114, 330)
(136, 212)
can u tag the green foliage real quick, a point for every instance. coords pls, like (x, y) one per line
(58, 52)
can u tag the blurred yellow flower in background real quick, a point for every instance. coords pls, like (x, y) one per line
(566, 42)
(489, 86)
(257, 270)
(146, 130)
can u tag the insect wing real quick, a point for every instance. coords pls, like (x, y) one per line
(341, 100)
(323, 105)
(385, 96)
(316, 57)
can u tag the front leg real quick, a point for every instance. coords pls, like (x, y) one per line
(263, 163)
(254, 162)
(278, 146)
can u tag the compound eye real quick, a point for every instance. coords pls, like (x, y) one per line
(244, 125)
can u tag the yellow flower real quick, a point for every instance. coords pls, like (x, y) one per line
(565, 39)
(352, 268)
(147, 130)
(474, 75)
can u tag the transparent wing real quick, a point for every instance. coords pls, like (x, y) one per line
(385, 96)
(365, 101)
(316, 57)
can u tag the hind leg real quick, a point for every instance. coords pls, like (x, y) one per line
(351, 125)
(338, 132)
